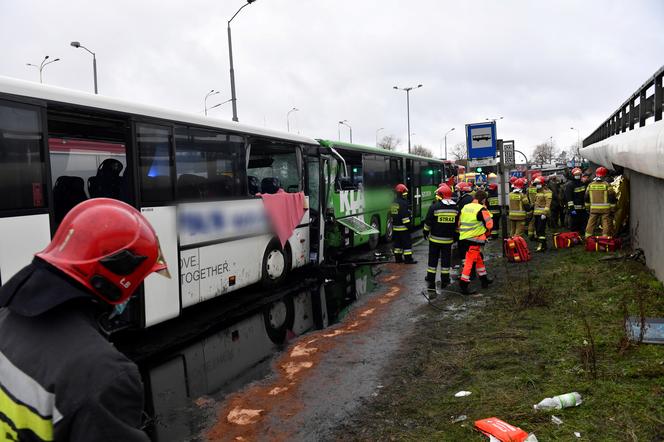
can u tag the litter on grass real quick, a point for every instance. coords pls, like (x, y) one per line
(498, 430)
(556, 420)
(460, 418)
(462, 393)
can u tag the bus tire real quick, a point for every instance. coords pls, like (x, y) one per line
(389, 229)
(373, 239)
(279, 317)
(276, 264)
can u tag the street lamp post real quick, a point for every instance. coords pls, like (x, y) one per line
(41, 66)
(230, 57)
(94, 61)
(578, 142)
(287, 117)
(208, 95)
(407, 90)
(378, 130)
(345, 123)
(446, 141)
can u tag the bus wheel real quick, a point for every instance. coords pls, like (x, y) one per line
(373, 239)
(279, 317)
(389, 229)
(275, 264)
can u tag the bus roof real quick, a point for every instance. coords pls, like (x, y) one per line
(31, 89)
(377, 150)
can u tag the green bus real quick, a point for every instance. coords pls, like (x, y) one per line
(362, 183)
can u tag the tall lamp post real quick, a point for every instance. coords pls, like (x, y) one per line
(407, 90)
(230, 57)
(288, 116)
(378, 130)
(446, 141)
(208, 95)
(578, 143)
(41, 66)
(345, 123)
(94, 61)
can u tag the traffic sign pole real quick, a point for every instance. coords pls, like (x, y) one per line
(504, 191)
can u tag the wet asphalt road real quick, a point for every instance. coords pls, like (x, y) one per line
(242, 383)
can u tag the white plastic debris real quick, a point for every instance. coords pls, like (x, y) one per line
(460, 418)
(577, 434)
(556, 420)
(462, 393)
(531, 438)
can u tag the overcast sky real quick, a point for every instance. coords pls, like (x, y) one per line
(543, 65)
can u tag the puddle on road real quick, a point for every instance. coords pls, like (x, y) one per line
(184, 387)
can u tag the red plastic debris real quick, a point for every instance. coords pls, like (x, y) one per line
(501, 430)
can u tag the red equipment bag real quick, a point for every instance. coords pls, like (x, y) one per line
(501, 430)
(602, 244)
(566, 240)
(516, 249)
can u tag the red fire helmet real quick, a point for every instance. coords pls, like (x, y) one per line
(107, 246)
(601, 171)
(401, 188)
(520, 183)
(493, 186)
(444, 191)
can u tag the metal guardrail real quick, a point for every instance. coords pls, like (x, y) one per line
(642, 105)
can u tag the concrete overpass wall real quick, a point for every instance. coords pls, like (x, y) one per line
(641, 153)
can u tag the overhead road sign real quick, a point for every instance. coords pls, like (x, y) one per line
(481, 140)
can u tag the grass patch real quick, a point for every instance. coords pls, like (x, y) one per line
(555, 329)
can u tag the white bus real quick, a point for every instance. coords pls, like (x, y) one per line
(195, 178)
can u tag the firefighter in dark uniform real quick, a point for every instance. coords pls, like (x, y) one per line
(494, 208)
(575, 194)
(60, 379)
(403, 244)
(440, 226)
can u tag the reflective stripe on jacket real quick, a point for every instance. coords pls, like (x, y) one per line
(518, 206)
(400, 214)
(471, 227)
(542, 204)
(600, 197)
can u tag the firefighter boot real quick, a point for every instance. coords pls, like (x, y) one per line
(408, 259)
(465, 288)
(431, 289)
(398, 258)
(486, 281)
(444, 280)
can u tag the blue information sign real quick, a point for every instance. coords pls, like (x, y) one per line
(481, 140)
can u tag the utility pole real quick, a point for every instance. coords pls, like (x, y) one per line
(407, 90)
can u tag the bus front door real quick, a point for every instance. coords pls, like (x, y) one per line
(316, 185)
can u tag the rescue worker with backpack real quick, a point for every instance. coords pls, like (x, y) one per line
(575, 195)
(494, 208)
(400, 213)
(475, 224)
(60, 379)
(600, 201)
(541, 211)
(440, 227)
(519, 206)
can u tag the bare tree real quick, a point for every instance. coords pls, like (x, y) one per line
(389, 142)
(418, 149)
(459, 151)
(562, 157)
(544, 153)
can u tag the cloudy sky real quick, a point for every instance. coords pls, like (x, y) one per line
(543, 65)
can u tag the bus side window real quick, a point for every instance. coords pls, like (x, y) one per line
(273, 167)
(154, 147)
(21, 160)
(208, 164)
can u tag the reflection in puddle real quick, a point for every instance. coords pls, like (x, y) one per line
(183, 388)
